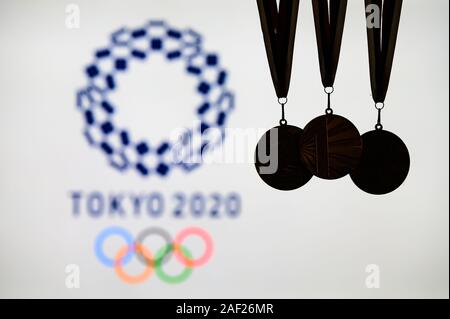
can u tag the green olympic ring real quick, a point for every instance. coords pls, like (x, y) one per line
(172, 279)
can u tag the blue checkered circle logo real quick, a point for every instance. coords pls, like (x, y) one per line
(128, 46)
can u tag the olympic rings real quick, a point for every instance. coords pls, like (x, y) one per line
(143, 254)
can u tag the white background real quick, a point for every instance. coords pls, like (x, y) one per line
(313, 242)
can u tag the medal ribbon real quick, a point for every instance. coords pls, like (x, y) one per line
(381, 44)
(329, 21)
(279, 27)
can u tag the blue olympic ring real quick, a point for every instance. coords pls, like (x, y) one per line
(98, 246)
(122, 149)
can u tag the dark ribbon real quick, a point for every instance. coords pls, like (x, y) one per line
(279, 27)
(329, 22)
(381, 45)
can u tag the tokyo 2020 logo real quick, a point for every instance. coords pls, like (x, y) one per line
(127, 152)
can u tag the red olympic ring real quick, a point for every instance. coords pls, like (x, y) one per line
(208, 246)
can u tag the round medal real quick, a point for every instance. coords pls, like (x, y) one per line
(330, 146)
(277, 161)
(384, 163)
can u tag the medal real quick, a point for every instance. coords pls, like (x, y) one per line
(277, 159)
(331, 145)
(385, 161)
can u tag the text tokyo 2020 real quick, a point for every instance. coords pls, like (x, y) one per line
(98, 204)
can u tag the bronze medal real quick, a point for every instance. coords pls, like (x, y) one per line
(384, 163)
(330, 146)
(277, 161)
